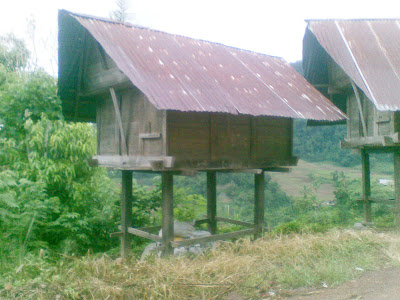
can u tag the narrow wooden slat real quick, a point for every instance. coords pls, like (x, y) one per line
(155, 135)
(235, 222)
(360, 110)
(144, 234)
(213, 238)
(124, 147)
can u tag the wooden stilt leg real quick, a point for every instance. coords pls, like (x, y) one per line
(259, 204)
(167, 212)
(396, 158)
(366, 184)
(126, 213)
(212, 201)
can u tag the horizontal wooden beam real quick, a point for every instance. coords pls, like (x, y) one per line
(213, 238)
(235, 222)
(201, 221)
(131, 162)
(249, 171)
(144, 234)
(378, 200)
(99, 80)
(278, 169)
(116, 234)
(371, 141)
(150, 229)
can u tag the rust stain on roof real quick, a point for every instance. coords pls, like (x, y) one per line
(185, 74)
(368, 51)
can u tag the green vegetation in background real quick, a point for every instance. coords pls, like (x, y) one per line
(321, 143)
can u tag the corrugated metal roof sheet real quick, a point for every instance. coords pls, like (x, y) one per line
(369, 52)
(185, 74)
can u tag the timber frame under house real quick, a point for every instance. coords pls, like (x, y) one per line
(356, 63)
(174, 105)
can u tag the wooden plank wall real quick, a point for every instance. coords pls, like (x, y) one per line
(273, 139)
(377, 123)
(108, 141)
(188, 135)
(208, 139)
(142, 124)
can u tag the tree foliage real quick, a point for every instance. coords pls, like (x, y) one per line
(49, 196)
(49, 181)
(13, 53)
(23, 94)
(120, 13)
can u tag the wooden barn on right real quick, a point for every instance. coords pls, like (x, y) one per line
(356, 64)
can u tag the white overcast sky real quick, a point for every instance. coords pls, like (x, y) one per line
(271, 27)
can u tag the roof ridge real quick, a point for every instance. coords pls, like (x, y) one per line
(131, 25)
(351, 20)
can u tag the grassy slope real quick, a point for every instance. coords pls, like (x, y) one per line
(293, 183)
(248, 268)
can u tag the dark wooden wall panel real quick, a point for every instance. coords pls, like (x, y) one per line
(222, 140)
(273, 139)
(231, 137)
(188, 136)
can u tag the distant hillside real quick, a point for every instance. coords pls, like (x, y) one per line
(321, 143)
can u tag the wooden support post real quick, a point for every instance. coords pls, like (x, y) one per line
(212, 201)
(167, 185)
(396, 158)
(126, 213)
(259, 204)
(366, 184)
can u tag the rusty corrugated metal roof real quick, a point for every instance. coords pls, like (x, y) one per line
(185, 74)
(368, 51)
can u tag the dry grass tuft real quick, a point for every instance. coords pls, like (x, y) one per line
(244, 267)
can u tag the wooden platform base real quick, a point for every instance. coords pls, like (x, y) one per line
(148, 233)
(167, 226)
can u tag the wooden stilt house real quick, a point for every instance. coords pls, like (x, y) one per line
(356, 64)
(171, 104)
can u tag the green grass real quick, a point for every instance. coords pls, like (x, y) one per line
(305, 173)
(245, 267)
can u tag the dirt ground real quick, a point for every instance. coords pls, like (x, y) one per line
(372, 285)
